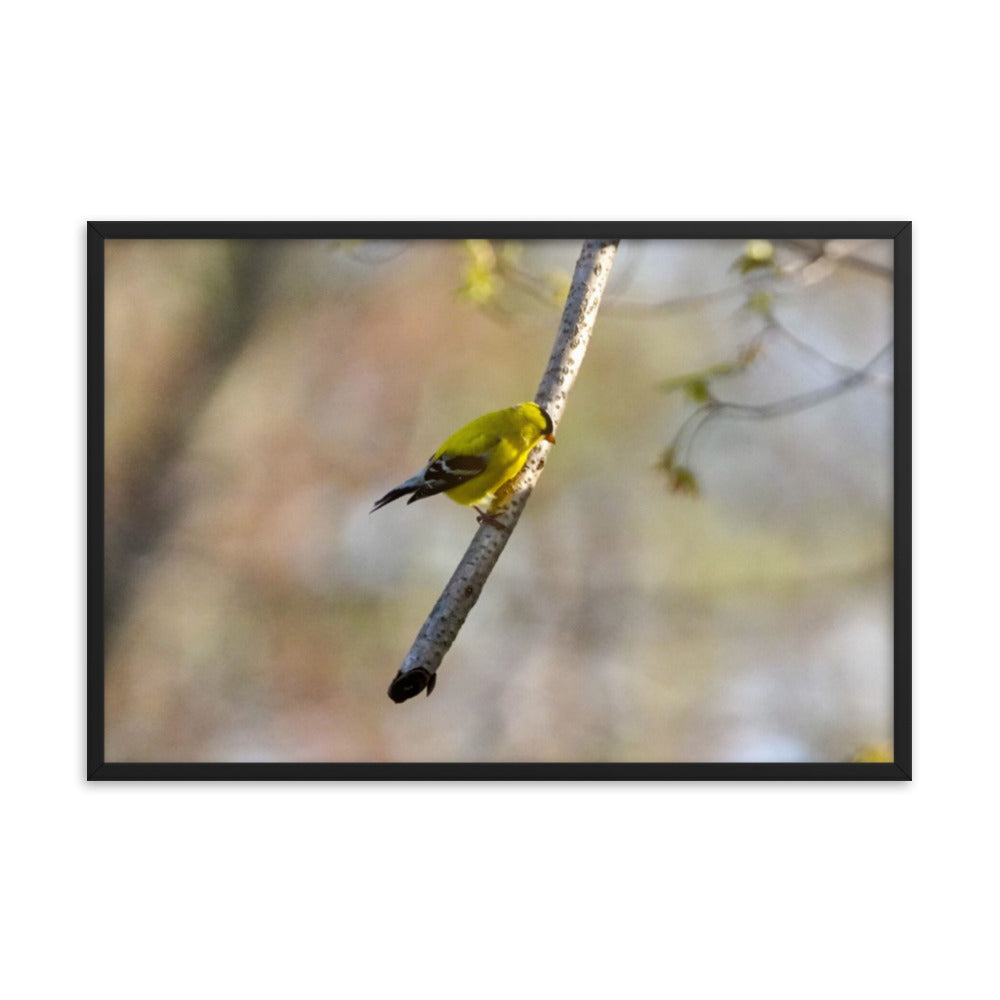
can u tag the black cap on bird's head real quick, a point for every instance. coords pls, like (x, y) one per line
(548, 420)
(547, 430)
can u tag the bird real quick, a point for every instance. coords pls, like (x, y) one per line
(474, 464)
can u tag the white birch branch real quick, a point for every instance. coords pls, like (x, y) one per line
(419, 669)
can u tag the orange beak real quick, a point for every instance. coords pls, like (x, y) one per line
(551, 438)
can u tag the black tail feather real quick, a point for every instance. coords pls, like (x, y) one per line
(399, 491)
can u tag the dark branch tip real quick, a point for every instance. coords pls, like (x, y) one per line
(410, 684)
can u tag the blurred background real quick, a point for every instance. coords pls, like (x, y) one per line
(704, 572)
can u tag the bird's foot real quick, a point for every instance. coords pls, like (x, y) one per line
(485, 518)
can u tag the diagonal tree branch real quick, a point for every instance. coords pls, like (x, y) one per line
(419, 669)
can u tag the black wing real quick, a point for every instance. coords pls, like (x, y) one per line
(448, 471)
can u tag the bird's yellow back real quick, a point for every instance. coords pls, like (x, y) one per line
(505, 438)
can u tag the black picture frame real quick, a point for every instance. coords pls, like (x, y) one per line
(900, 233)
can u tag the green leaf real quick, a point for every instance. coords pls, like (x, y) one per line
(482, 282)
(696, 389)
(695, 384)
(683, 481)
(760, 302)
(757, 254)
(480, 286)
(666, 461)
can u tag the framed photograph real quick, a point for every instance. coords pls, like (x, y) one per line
(711, 422)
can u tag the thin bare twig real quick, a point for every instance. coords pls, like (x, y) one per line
(805, 400)
(774, 326)
(419, 669)
(817, 250)
(683, 441)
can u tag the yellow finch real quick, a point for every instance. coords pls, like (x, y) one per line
(476, 461)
